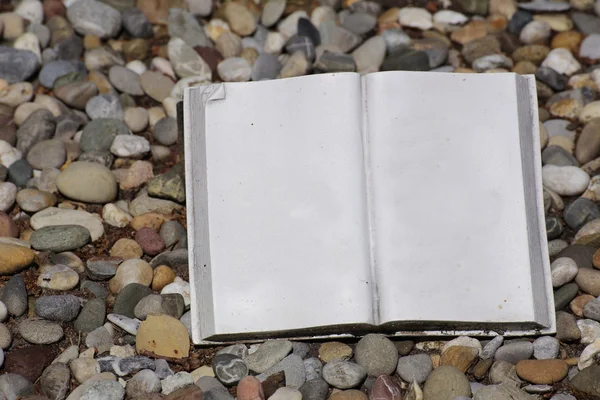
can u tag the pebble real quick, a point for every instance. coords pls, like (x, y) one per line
(17, 65)
(129, 146)
(370, 55)
(343, 374)
(293, 369)
(60, 238)
(563, 271)
(566, 181)
(186, 62)
(136, 118)
(234, 69)
(175, 382)
(92, 316)
(100, 339)
(590, 47)
(562, 61)
(588, 281)
(104, 106)
(103, 390)
(229, 368)
(91, 17)
(535, 32)
(414, 368)
(131, 271)
(125, 80)
(62, 308)
(514, 352)
(56, 381)
(136, 23)
(58, 277)
(14, 258)
(39, 331)
(268, 354)
(377, 354)
(589, 330)
(545, 347)
(185, 26)
(142, 383)
(88, 182)
(129, 325)
(446, 382)
(414, 17)
(14, 296)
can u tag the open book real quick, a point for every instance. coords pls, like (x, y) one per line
(341, 204)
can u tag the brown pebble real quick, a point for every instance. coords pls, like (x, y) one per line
(572, 361)
(150, 241)
(29, 362)
(576, 305)
(460, 357)
(91, 42)
(351, 394)
(330, 351)
(52, 8)
(568, 40)
(192, 392)
(163, 275)
(8, 228)
(542, 372)
(126, 249)
(150, 220)
(482, 367)
(272, 383)
(211, 56)
(249, 388)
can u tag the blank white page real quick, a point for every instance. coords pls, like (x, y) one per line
(448, 202)
(287, 213)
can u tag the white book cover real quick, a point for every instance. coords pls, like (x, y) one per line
(340, 204)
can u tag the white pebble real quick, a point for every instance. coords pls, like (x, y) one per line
(8, 194)
(136, 66)
(590, 111)
(415, 17)
(31, 10)
(3, 312)
(28, 41)
(590, 330)
(535, 32)
(449, 17)
(178, 286)
(130, 146)
(286, 393)
(129, 325)
(8, 154)
(163, 66)
(562, 61)
(274, 43)
(176, 381)
(114, 216)
(566, 181)
(170, 106)
(563, 271)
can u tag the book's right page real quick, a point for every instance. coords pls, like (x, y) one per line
(458, 232)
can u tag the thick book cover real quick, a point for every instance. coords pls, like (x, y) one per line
(406, 203)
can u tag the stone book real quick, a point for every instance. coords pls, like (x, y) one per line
(405, 203)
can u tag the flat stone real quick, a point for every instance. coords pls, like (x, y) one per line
(514, 352)
(40, 125)
(14, 296)
(131, 271)
(58, 216)
(58, 277)
(104, 106)
(128, 297)
(92, 316)
(14, 258)
(60, 238)
(136, 23)
(344, 374)
(414, 368)
(331, 351)
(186, 62)
(103, 390)
(229, 368)
(63, 308)
(184, 25)
(90, 17)
(268, 354)
(164, 336)
(545, 347)
(143, 383)
(56, 381)
(39, 331)
(293, 368)
(125, 80)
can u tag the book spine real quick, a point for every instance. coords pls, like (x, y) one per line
(370, 212)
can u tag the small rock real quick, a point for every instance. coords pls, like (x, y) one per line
(63, 308)
(542, 372)
(566, 181)
(14, 295)
(514, 352)
(343, 374)
(39, 331)
(58, 277)
(545, 347)
(446, 382)
(414, 17)
(129, 146)
(414, 368)
(141, 384)
(90, 17)
(60, 238)
(164, 336)
(128, 297)
(92, 316)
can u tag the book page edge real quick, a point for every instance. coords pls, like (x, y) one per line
(196, 100)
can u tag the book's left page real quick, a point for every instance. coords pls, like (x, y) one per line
(277, 213)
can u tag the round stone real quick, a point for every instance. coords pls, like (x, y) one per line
(229, 368)
(8, 195)
(88, 182)
(103, 390)
(156, 85)
(129, 146)
(377, 354)
(131, 271)
(163, 276)
(136, 118)
(127, 249)
(52, 216)
(546, 347)
(542, 372)
(92, 316)
(566, 181)
(563, 271)
(331, 351)
(39, 331)
(165, 131)
(104, 106)
(141, 384)
(240, 19)
(446, 382)
(150, 241)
